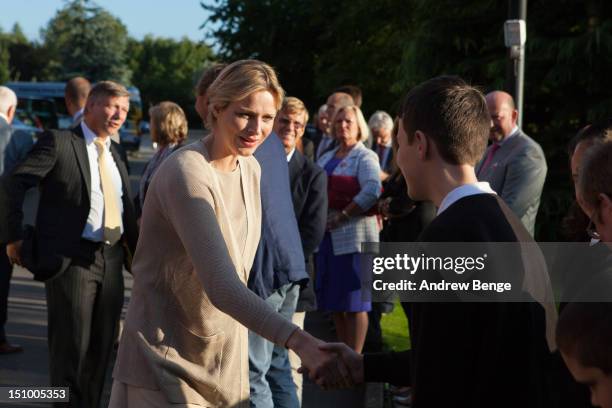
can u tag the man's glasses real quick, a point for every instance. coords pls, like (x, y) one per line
(296, 125)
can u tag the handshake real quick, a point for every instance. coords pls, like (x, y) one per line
(330, 365)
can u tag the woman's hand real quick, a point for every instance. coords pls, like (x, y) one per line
(13, 252)
(336, 219)
(326, 368)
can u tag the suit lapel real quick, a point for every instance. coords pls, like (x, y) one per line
(80, 150)
(295, 165)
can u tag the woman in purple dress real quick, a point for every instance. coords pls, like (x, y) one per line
(353, 190)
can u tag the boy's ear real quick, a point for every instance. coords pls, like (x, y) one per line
(605, 207)
(422, 144)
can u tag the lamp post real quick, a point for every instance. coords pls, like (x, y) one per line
(515, 36)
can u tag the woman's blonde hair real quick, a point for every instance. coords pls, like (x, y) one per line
(362, 125)
(168, 123)
(239, 80)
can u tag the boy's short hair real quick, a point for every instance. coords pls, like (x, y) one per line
(584, 332)
(453, 114)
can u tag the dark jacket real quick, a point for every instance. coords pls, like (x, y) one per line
(472, 355)
(59, 164)
(309, 195)
(386, 161)
(279, 259)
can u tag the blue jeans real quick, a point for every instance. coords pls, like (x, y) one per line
(270, 377)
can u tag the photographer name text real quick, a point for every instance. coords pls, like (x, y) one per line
(441, 286)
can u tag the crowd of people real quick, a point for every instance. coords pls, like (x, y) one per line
(232, 239)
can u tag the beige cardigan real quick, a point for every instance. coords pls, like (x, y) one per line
(182, 332)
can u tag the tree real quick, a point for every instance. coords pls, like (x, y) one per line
(84, 39)
(283, 33)
(166, 69)
(4, 57)
(4, 62)
(27, 60)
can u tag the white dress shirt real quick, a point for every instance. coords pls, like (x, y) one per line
(481, 187)
(94, 228)
(513, 132)
(290, 155)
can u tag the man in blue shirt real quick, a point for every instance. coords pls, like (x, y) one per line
(278, 270)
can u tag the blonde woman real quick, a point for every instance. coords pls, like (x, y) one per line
(185, 335)
(353, 189)
(168, 131)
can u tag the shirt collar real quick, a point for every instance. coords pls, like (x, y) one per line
(512, 133)
(3, 116)
(465, 190)
(290, 155)
(78, 114)
(90, 136)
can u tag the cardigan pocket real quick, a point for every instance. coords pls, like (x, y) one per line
(192, 368)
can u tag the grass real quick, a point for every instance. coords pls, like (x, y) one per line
(395, 329)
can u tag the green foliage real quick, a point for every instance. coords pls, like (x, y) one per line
(4, 57)
(84, 39)
(166, 69)
(394, 326)
(281, 32)
(20, 59)
(4, 63)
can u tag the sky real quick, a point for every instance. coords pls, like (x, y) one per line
(162, 18)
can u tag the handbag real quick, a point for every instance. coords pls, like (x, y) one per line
(341, 190)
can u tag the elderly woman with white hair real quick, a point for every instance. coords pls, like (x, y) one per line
(381, 126)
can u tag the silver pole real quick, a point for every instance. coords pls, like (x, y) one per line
(519, 66)
(520, 77)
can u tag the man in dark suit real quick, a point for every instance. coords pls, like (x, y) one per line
(514, 164)
(309, 195)
(464, 354)
(8, 105)
(75, 97)
(85, 229)
(381, 127)
(315, 131)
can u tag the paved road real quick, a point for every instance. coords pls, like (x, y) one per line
(27, 325)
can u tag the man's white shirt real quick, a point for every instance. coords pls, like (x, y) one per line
(94, 228)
